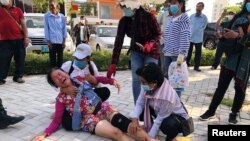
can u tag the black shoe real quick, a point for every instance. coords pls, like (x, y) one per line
(232, 118)
(19, 80)
(206, 116)
(197, 69)
(2, 82)
(6, 120)
(213, 68)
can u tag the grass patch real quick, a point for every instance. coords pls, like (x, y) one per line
(209, 94)
(227, 101)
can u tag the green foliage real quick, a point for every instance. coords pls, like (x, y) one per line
(88, 9)
(235, 8)
(39, 63)
(43, 5)
(207, 57)
(227, 101)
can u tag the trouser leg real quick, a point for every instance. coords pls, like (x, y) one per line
(19, 57)
(197, 58)
(6, 53)
(52, 56)
(239, 97)
(225, 78)
(59, 50)
(190, 51)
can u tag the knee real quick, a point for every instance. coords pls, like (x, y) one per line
(117, 133)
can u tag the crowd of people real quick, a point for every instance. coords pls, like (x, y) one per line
(160, 53)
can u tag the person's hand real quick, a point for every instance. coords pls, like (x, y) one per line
(180, 59)
(111, 70)
(218, 35)
(91, 79)
(117, 85)
(39, 137)
(141, 47)
(26, 42)
(223, 14)
(50, 45)
(230, 34)
(63, 44)
(133, 126)
(69, 90)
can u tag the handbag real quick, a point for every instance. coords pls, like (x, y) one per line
(187, 126)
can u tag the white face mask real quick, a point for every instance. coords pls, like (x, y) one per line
(5, 2)
(82, 21)
(230, 17)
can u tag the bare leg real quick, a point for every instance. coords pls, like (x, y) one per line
(105, 129)
(140, 133)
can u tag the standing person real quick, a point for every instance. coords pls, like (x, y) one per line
(158, 99)
(219, 34)
(6, 120)
(176, 34)
(237, 66)
(81, 31)
(55, 33)
(198, 25)
(145, 33)
(13, 40)
(163, 19)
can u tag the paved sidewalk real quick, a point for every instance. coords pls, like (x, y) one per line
(34, 99)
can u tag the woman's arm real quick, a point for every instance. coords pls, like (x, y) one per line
(54, 124)
(184, 35)
(166, 109)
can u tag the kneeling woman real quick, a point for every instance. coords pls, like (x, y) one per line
(88, 112)
(160, 100)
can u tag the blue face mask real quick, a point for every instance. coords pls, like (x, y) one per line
(147, 88)
(80, 64)
(165, 9)
(174, 8)
(128, 12)
(248, 6)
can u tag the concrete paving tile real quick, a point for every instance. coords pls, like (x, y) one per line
(33, 99)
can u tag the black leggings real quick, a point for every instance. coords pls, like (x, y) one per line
(102, 92)
(224, 80)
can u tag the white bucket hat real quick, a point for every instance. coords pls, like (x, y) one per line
(82, 51)
(133, 4)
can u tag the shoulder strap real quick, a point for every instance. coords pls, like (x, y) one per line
(7, 12)
(71, 68)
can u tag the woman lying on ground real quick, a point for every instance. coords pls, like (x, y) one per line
(88, 112)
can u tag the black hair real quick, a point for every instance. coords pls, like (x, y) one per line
(152, 73)
(48, 76)
(91, 69)
(183, 9)
(201, 4)
(243, 11)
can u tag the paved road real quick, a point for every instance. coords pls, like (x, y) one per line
(34, 99)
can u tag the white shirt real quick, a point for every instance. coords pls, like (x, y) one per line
(77, 71)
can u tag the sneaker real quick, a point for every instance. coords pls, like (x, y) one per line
(206, 116)
(197, 69)
(213, 68)
(7, 120)
(232, 118)
(2, 82)
(19, 80)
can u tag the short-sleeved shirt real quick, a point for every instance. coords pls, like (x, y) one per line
(9, 30)
(77, 71)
